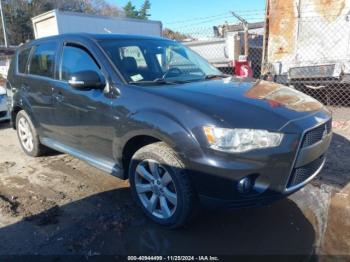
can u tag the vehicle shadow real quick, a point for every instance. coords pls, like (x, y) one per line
(110, 223)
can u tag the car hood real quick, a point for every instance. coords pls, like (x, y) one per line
(243, 103)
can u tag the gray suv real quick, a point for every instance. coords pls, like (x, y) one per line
(154, 112)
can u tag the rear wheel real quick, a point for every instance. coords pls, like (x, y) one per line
(28, 136)
(160, 185)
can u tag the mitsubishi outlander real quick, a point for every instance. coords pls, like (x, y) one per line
(152, 111)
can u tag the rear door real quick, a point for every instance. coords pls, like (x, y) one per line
(83, 117)
(37, 83)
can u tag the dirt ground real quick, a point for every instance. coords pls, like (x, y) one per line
(59, 205)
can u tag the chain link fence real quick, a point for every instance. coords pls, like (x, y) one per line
(305, 46)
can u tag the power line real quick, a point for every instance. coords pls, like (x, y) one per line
(242, 12)
(197, 18)
(203, 22)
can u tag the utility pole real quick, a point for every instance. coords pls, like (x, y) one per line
(3, 25)
(245, 29)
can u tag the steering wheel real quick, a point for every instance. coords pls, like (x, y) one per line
(172, 70)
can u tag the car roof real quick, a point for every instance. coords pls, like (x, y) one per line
(96, 37)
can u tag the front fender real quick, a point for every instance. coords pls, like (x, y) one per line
(161, 126)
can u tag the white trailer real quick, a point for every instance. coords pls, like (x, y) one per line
(58, 22)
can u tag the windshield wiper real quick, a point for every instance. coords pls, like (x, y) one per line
(159, 81)
(208, 77)
(146, 82)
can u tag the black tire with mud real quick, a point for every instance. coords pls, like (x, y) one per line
(187, 205)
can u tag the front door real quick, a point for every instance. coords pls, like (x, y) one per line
(83, 117)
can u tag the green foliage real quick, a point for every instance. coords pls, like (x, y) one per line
(143, 14)
(131, 11)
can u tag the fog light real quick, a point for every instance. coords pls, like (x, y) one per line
(245, 185)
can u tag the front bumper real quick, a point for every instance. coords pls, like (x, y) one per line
(276, 172)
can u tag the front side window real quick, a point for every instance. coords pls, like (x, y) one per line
(43, 60)
(76, 59)
(23, 59)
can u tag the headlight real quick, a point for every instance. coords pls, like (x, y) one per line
(240, 140)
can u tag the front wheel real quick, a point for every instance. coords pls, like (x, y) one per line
(161, 186)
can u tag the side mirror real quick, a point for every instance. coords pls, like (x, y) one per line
(87, 80)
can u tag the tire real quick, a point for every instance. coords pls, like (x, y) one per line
(172, 181)
(25, 128)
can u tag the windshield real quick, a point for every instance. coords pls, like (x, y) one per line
(161, 61)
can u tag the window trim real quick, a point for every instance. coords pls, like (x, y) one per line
(31, 48)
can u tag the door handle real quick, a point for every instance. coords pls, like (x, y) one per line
(25, 87)
(58, 97)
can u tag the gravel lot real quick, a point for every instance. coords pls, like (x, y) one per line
(59, 205)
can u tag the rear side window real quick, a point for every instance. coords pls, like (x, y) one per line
(23, 59)
(43, 60)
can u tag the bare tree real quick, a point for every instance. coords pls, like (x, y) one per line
(175, 35)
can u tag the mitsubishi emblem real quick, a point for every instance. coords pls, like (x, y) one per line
(325, 132)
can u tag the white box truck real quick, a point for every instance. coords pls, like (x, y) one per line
(60, 22)
(222, 52)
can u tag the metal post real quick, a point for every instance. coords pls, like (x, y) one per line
(246, 40)
(3, 25)
(246, 35)
(264, 59)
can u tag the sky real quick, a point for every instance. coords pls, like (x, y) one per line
(187, 15)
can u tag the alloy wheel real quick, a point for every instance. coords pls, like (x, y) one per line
(25, 134)
(155, 188)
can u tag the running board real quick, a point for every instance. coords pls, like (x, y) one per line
(99, 163)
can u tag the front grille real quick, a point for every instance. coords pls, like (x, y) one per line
(300, 174)
(314, 135)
